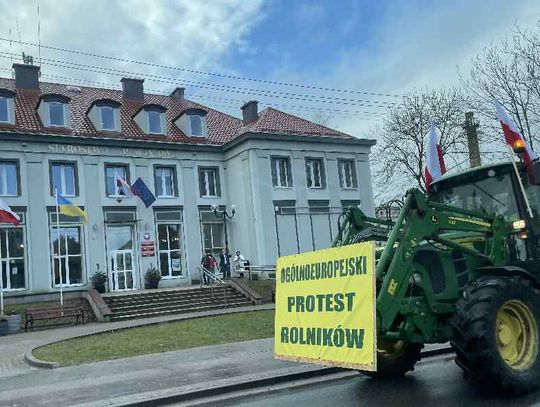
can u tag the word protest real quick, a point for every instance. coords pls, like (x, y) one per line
(325, 307)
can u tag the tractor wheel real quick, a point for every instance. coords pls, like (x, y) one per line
(394, 359)
(496, 336)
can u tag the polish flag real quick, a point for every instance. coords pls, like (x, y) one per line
(435, 167)
(512, 134)
(125, 189)
(7, 215)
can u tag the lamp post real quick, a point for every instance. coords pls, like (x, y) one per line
(224, 215)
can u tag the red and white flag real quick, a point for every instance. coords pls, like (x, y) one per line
(124, 186)
(512, 134)
(7, 215)
(435, 167)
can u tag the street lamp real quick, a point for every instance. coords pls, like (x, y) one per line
(224, 215)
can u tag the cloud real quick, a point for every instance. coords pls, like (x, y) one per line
(179, 33)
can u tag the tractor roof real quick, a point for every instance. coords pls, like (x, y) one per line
(469, 171)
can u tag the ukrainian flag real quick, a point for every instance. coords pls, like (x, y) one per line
(67, 208)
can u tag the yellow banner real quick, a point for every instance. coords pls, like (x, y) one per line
(325, 307)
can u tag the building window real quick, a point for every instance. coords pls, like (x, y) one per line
(209, 182)
(12, 257)
(67, 255)
(169, 252)
(4, 110)
(108, 118)
(9, 178)
(213, 235)
(315, 175)
(64, 178)
(347, 174)
(281, 172)
(57, 114)
(111, 171)
(165, 182)
(196, 125)
(154, 122)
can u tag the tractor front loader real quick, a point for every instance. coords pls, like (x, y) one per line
(461, 264)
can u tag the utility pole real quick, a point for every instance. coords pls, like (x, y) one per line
(470, 126)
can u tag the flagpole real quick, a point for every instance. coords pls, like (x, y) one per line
(59, 250)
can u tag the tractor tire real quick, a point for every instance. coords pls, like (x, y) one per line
(496, 336)
(394, 359)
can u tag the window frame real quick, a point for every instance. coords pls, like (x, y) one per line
(57, 103)
(160, 117)
(75, 177)
(17, 177)
(217, 181)
(52, 257)
(127, 179)
(200, 118)
(275, 171)
(113, 110)
(215, 250)
(6, 257)
(8, 110)
(174, 182)
(310, 172)
(342, 175)
(168, 251)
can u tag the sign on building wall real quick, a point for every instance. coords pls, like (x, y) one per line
(325, 307)
(148, 249)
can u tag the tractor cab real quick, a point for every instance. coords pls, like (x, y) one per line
(494, 189)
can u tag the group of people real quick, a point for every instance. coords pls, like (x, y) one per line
(210, 263)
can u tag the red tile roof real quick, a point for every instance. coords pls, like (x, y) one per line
(222, 127)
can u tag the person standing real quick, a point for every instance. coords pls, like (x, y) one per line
(239, 264)
(206, 263)
(225, 264)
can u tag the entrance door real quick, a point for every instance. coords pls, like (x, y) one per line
(120, 250)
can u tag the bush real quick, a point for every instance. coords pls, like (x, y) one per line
(98, 280)
(152, 277)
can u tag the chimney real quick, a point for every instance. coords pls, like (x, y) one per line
(178, 94)
(132, 88)
(26, 76)
(250, 111)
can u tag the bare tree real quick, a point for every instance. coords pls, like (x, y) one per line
(400, 157)
(509, 73)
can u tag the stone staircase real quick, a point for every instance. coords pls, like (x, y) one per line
(169, 301)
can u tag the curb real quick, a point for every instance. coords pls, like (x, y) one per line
(43, 364)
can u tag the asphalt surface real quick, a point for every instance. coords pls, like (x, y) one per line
(437, 384)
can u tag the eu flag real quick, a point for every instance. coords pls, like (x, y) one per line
(140, 189)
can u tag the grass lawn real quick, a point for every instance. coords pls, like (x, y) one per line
(263, 287)
(160, 338)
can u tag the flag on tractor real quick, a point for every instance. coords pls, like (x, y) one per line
(66, 207)
(140, 189)
(435, 167)
(125, 189)
(513, 136)
(7, 215)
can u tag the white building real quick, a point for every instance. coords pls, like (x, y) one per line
(289, 179)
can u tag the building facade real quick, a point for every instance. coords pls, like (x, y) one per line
(287, 178)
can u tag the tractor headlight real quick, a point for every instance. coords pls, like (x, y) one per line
(518, 224)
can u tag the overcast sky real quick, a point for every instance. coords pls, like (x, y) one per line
(373, 46)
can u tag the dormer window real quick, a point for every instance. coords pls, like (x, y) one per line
(57, 114)
(192, 122)
(53, 110)
(154, 122)
(7, 107)
(151, 119)
(105, 115)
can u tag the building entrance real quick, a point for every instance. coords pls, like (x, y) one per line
(121, 257)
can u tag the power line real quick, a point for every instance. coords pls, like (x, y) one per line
(199, 72)
(202, 85)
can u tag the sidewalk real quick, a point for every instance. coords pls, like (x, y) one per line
(13, 347)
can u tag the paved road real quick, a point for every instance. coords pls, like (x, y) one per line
(436, 384)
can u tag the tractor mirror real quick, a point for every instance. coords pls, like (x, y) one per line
(536, 172)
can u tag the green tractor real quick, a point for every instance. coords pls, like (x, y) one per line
(461, 265)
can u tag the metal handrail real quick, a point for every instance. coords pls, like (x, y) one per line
(216, 281)
(269, 269)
